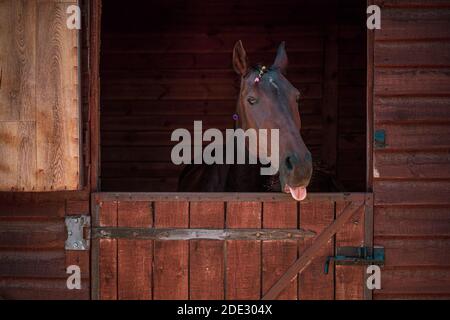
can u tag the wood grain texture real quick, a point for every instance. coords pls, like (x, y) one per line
(18, 155)
(17, 60)
(41, 289)
(243, 258)
(107, 255)
(313, 283)
(58, 114)
(39, 107)
(350, 279)
(412, 222)
(171, 262)
(135, 257)
(279, 255)
(412, 109)
(206, 278)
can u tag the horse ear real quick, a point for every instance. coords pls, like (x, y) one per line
(240, 62)
(281, 60)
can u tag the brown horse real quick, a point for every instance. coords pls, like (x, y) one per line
(267, 100)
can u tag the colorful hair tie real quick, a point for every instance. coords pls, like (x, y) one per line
(262, 71)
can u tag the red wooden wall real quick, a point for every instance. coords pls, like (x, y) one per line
(412, 173)
(168, 63)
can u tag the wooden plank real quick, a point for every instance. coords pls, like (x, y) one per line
(277, 256)
(18, 155)
(171, 262)
(350, 282)
(41, 289)
(77, 207)
(414, 24)
(412, 192)
(412, 81)
(414, 3)
(135, 257)
(418, 281)
(174, 234)
(30, 233)
(94, 91)
(57, 104)
(369, 224)
(225, 196)
(412, 109)
(107, 255)
(426, 222)
(414, 253)
(416, 137)
(301, 263)
(313, 283)
(33, 264)
(206, 265)
(426, 54)
(243, 262)
(412, 165)
(17, 209)
(17, 60)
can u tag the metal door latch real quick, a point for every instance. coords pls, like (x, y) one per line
(78, 232)
(356, 256)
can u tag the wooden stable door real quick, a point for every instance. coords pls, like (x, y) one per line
(39, 103)
(156, 246)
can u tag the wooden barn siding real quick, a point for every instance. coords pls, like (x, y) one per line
(412, 174)
(32, 230)
(163, 75)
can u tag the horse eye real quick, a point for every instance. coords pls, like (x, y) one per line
(297, 99)
(251, 100)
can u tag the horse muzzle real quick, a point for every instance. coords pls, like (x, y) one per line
(296, 174)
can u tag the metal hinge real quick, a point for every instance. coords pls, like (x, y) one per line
(356, 256)
(78, 232)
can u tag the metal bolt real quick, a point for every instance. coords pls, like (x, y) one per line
(75, 245)
(76, 220)
(70, 233)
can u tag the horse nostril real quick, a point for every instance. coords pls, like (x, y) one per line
(291, 162)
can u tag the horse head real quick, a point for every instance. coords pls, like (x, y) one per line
(267, 100)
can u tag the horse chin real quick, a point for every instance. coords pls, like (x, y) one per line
(298, 193)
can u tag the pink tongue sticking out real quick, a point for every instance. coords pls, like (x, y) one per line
(298, 193)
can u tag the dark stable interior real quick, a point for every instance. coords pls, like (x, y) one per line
(167, 63)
